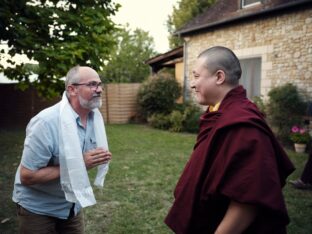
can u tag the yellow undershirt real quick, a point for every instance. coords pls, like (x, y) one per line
(215, 107)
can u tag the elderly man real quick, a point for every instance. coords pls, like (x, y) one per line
(62, 142)
(233, 180)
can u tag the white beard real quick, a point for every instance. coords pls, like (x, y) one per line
(95, 102)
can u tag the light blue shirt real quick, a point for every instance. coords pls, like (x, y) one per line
(41, 149)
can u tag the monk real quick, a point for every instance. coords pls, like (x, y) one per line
(233, 180)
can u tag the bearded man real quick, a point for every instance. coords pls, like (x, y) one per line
(63, 141)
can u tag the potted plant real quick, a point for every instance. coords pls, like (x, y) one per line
(300, 137)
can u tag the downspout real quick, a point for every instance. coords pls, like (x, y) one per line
(185, 79)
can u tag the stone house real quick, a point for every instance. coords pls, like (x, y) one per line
(272, 39)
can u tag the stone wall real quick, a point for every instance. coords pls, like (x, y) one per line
(284, 43)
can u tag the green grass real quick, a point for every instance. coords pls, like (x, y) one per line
(138, 189)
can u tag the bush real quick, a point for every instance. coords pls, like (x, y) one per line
(176, 120)
(158, 95)
(160, 121)
(172, 122)
(191, 118)
(186, 119)
(285, 108)
(259, 103)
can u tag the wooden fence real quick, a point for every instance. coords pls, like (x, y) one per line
(119, 102)
(18, 107)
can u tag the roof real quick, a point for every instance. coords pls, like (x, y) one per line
(227, 11)
(168, 59)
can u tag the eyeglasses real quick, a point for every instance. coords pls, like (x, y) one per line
(92, 85)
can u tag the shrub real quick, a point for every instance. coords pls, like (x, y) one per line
(259, 103)
(285, 108)
(158, 95)
(172, 122)
(176, 120)
(160, 121)
(191, 118)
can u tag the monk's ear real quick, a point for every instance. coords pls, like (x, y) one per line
(220, 77)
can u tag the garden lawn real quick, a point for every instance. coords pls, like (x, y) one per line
(145, 167)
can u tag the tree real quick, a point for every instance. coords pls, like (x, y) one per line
(126, 63)
(57, 35)
(184, 12)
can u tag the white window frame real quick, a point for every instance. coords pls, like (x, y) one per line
(244, 5)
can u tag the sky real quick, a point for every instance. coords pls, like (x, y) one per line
(148, 15)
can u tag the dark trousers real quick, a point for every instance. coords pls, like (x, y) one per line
(306, 175)
(30, 223)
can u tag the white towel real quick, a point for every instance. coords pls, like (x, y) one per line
(74, 176)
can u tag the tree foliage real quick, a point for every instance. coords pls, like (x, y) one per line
(126, 62)
(184, 12)
(57, 35)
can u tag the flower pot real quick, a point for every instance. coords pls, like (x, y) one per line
(300, 148)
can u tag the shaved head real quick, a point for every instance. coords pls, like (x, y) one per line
(222, 58)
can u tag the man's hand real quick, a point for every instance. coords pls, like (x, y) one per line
(96, 157)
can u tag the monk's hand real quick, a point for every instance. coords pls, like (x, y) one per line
(96, 157)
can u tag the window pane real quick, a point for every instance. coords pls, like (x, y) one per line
(251, 76)
(248, 2)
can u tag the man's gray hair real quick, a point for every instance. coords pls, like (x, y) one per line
(222, 58)
(72, 76)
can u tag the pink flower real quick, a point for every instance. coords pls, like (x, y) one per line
(302, 130)
(299, 135)
(295, 129)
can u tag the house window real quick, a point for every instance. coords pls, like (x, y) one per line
(248, 3)
(251, 76)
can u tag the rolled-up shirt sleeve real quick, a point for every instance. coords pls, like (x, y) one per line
(38, 145)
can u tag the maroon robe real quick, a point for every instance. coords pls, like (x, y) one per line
(236, 157)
